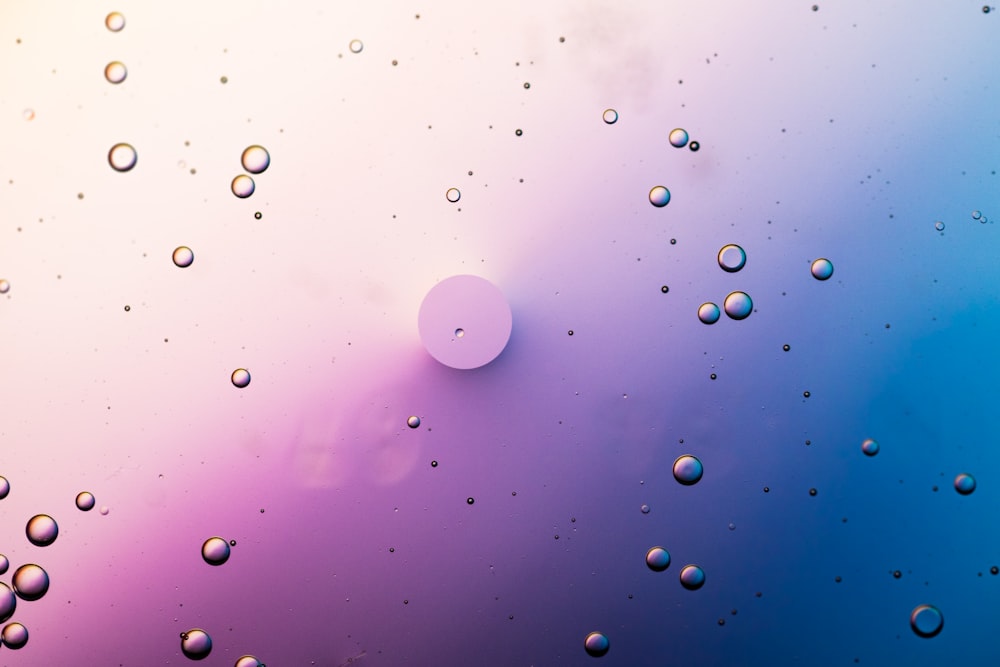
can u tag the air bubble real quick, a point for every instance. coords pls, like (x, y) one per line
(926, 620)
(692, 577)
(965, 483)
(4, 565)
(114, 21)
(464, 322)
(610, 116)
(518, 132)
(732, 258)
(122, 157)
(453, 195)
(248, 661)
(30, 582)
(115, 72)
(976, 215)
(4, 286)
(822, 269)
(413, 421)
(786, 347)
(183, 256)
(738, 305)
(694, 146)
(255, 159)
(85, 501)
(688, 469)
(596, 644)
(870, 447)
(659, 196)
(4, 487)
(939, 226)
(657, 559)
(8, 602)
(196, 644)
(470, 500)
(104, 510)
(215, 551)
(678, 138)
(241, 378)
(14, 635)
(243, 186)
(29, 114)
(42, 530)
(708, 313)
(356, 46)
(644, 509)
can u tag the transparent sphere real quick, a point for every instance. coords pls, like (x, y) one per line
(42, 530)
(678, 138)
(114, 21)
(215, 551)
(248, 661)
(4, 286)
(4, 487)
(688, 469)
(255, 159)
(242, 186)
(30, 582)
(870, 447)
(413, 421)
(659, 196)
(240, 378)
(85, 501)
(122, 157)
(115, 72)
(4, 564)
(610, 116)
(926, 620)
(356, 46)
(738, 305)
(965, 483)
(709, 313)
(657, 559)
(692, 577)
(8, 602)
(14, 635)
(196, 644)
(822, 269)
(453, 195)
(183, 256)
(596, 644)
(732, 258)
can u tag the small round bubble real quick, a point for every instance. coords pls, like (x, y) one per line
(14, 635)
(196, 644)
(596, 644)
(243, 186)
(4, 564)
(114, 21)
(183, 256)
(870, 447)
(42, 530)
(104, 510)
(657, 559)
(248, 661)
(976, 215)
(453, 195)
(30, 582)
(255, 159)
(678, 137)
(732, 258)
(470, 501)
(4, 286)
(939, 226)
(413, 421)
(738, 305)
(688, 469)
(115, 72)
(8, 602)
(965, 483)
(659, 196)
(709, 313)
(122, 157)
(694, 146)
(692, 577)
(822, 269)
(240, 378)
(644, 509)
(85, 501)
(4, 487)
(610, 116)
(356, 46)
(215, 551)
(926, 620)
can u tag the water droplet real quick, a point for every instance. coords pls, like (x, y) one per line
(243, 186)
(610, 116)
(114, 21)
(104, 510)
(355, 46)
(122, 157)
(14, 635)
(85, 501)
(8, 602)
(241, 378)
(183, 256)
(664, 289)
(413, 421)
(596, 644)
(115, 72)
(248, 661)
(527, 85)
(806, 394)
(786, 348)
(694, 146)
(127, 308)
(30, 582)
(659, 196)
(965, 483)
(812, 492)
(470, 500)
(4, 286)
(4, 487)
(678, 138)
(459, 333)
(708, 313)
(434, 464)
(657, 559)
(518, 132)
(196, 644)
(215, 551)
(255, 159)
(476, 307)
(4, 565)
(897, 574)
(926, 620)
(692, 577)
(453, 195)
(939, 226)
(732, 258)
(738, 305)
(822, 269)
(644, 509)
(986, 9)
(42, 530)
(688, 469)
(870, 447)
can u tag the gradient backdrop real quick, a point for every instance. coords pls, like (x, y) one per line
(844, 131)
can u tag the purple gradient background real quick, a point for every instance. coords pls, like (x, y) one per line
(842, 133)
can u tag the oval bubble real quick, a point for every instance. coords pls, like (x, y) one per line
(122, 157)
(926, 620)
(255, 159)
(678, 137)
(965, 483)
(870, 447)
(738, 305)
(708, 313)
(657, 559)
(692, 577)
(8, 602)
(243, 186)
(215, 551)
(115, 72)
(42, 530)
(688, 469)
(14, 635)
(85, 501)
(196, 644)
(183, 256)
(240, 378)
(822, 269)
(30, 582)
(732, 258)
(596, 644)
(610, 116)
(659, 196)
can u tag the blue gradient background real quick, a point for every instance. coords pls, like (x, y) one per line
(841, 133)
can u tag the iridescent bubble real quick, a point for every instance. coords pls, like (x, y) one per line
(610, 116)
(14, 635)
(657, 559)
(644, 509)
(122, 157)
(104, 510)
(822, 269)
(215, 551)
(114, 21)
(692, 577)
(732, 258)
(738, 305)
(926, 620)
(453, 195)
(678, 138)
(255, 159)
(4, 487)
(248, 661)
(355, 46)
(183, 256)
(8, 602)
(965, 483)
(659, 196)
(596, 644)
(42, 530)
(4, 565)
(708, 313)
(688, 469)
(85, 501)
(243, 186)
(976, 215)
(115, 72)
(694, 146)
(413, 421)
(196, 644)
(4, 286)
(30, 582)
(939, 226)
(870, 447)
(241, 378)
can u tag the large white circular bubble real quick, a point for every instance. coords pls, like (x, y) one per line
(465, 322)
